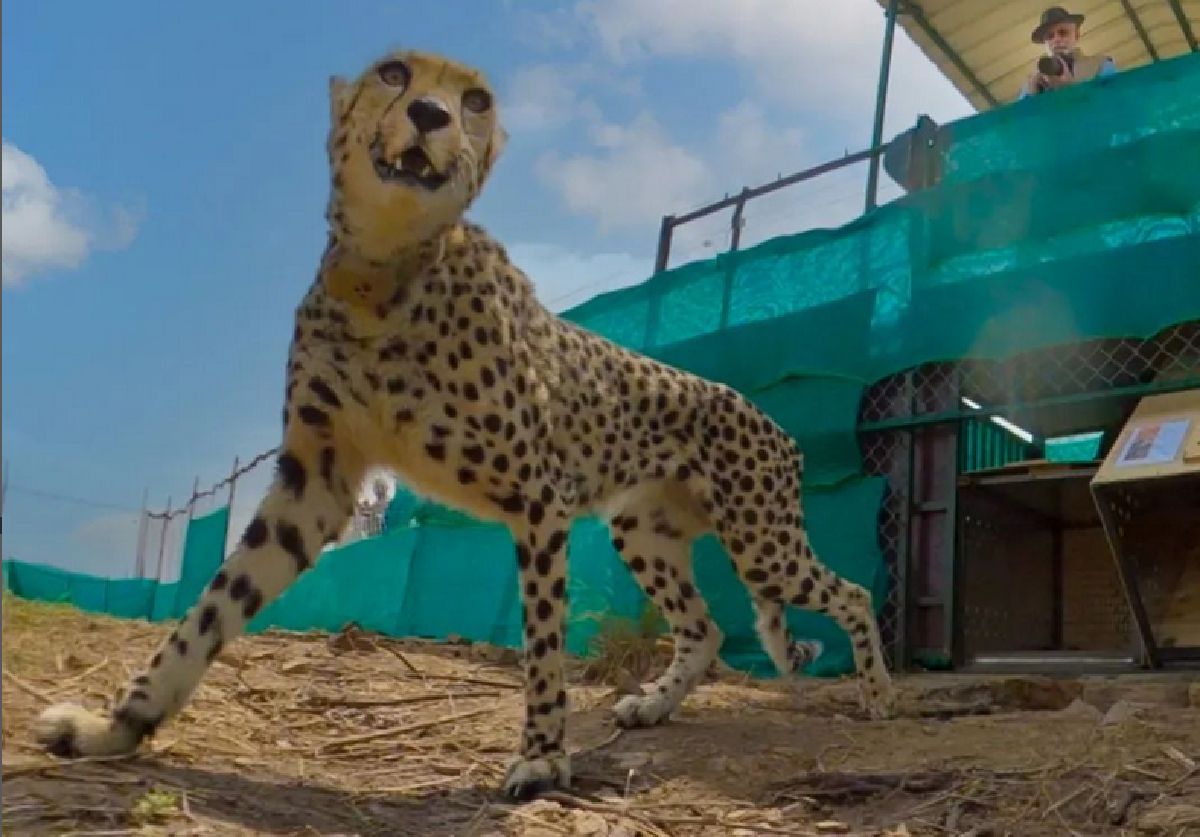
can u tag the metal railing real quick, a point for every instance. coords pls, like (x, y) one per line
(670, 223)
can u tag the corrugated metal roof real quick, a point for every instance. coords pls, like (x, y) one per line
(984, 48)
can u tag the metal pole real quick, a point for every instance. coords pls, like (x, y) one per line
(735, 240)
(162, 541)
(1184, 26)
(191, 506)
(1132, 14)
(664, 244)
(139, 560)
(233, 475)
(885, 67)
(735, 237)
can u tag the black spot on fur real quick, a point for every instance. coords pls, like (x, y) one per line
(240, 587)
(324, 392)
(140, 727)
(313, 416)
(256, 533)
(253, 603)
(289, 538)
(513, 503)
(524, 556)
(327, 456)
(292, 474)
(219, 581)
(208, 618)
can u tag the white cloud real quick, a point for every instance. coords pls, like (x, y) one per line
(635, 174)
(564, 278)
(545, 96)
(809, 55)
(110, 540)
(635, 177)
(48, 228)
(753, 150)
(806, 62)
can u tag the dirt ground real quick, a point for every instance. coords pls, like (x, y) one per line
(360, 734)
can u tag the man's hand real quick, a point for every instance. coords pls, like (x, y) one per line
(1039, 82)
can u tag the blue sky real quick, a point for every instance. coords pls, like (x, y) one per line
(164, 184)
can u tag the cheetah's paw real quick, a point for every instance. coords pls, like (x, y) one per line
(70, 731)
(883, 705)
(526, 778)
(642, 710)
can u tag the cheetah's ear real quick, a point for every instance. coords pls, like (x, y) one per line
(339, 98)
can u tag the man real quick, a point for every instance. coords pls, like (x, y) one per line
(1064, 62)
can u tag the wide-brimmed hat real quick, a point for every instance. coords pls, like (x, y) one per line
(1052, 17)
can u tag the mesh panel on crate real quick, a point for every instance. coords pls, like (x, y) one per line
(1007, 583)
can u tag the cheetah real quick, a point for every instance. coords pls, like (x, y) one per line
(420, 348)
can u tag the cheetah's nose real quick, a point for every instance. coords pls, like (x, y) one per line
(428, 115)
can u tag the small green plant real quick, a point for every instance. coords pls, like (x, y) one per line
(156, 806)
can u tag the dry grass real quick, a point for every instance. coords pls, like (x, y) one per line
(358, 734)
(624, 651)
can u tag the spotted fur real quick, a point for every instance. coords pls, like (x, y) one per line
(422, 348)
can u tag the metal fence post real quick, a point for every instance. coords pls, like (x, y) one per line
(735, 240)
(139, 559)
(233, 475)
(162, 541)
(664, 243)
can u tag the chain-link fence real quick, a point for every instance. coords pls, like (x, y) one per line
(938, 544)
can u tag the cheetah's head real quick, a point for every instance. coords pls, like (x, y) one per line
(411, 141)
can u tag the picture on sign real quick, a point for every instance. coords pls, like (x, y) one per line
(1155, 443)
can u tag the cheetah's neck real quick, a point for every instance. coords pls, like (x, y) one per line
(368, 283)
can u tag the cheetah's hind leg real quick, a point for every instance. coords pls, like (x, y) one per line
(656, 545)
(760, 522)
(788, 655)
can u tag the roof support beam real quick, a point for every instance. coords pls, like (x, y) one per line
(885, 70)
(913, 9)
(1132, 14)
(1184, 26)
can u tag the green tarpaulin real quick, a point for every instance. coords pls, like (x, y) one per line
(1061, 218)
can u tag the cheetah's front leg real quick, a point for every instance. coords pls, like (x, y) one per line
(542, 561)
(307, 506)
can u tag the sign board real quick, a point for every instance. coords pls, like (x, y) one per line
(1159, 442)
(1161, 439)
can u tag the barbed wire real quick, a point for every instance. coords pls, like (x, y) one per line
(68, 498)
(212, 490)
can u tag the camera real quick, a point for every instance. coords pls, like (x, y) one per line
(1056, 65)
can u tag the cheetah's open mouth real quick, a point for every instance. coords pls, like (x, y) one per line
(412, 167)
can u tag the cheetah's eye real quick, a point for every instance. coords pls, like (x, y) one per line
(394, 73)
(477, 100)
